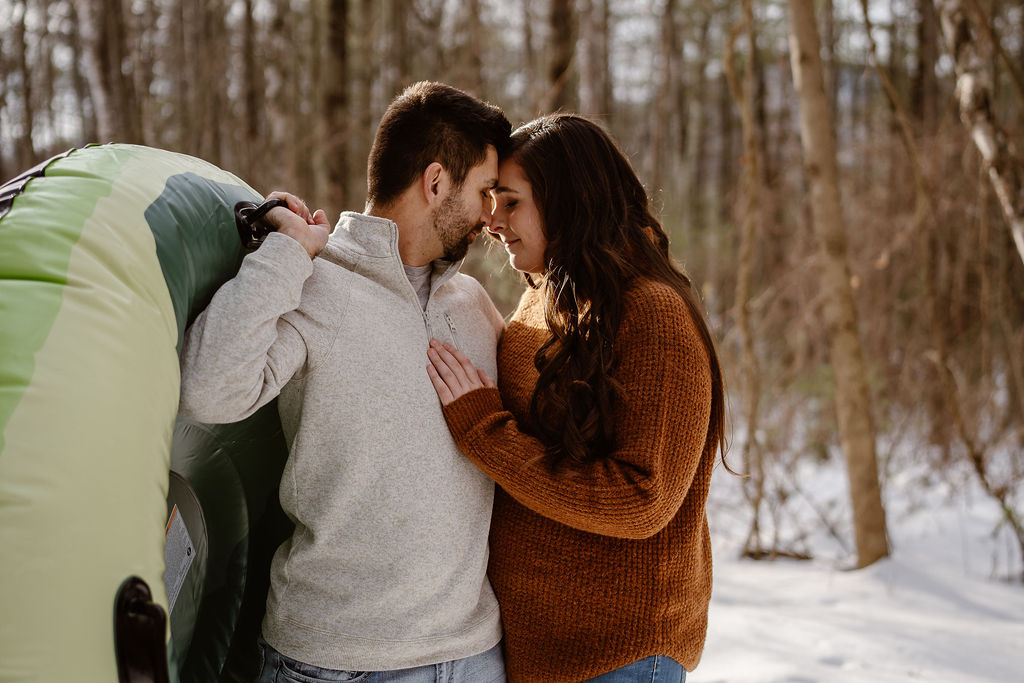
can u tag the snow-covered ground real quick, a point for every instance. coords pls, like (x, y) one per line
(939, 609)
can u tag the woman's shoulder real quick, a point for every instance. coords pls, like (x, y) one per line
(645, 298)
(652, 308)
(531, 305)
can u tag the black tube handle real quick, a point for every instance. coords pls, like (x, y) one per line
(250, 220)
(139, 629)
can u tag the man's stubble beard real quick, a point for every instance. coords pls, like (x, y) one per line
(452, 229)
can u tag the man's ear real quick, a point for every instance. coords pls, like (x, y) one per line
(434, 183)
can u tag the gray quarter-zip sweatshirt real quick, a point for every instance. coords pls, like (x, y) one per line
(387, 565)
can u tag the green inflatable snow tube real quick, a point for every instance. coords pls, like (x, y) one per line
(106, 254)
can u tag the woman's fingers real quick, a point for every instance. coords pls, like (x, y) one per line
(443, 392)
(465, 378)
(464, 362)
(452, 373)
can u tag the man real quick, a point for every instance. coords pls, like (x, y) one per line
(386, 570)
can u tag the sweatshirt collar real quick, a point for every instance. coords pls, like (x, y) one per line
(376, 237)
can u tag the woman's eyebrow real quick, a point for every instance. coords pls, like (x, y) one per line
(501, 189)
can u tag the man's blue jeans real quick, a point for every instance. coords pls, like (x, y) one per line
(656, 669)
(486, 667)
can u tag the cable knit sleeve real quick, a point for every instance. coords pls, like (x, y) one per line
(661, 430)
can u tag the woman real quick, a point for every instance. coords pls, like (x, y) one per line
(604, 433)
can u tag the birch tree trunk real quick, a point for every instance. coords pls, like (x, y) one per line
(971, 56)
(853, 407)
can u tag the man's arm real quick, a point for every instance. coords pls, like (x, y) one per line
(242, 349)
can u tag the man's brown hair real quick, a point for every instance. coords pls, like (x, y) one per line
(431, 122)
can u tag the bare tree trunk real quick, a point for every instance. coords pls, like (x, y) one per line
(970, 54)
(607, 89)
(86, 109)
(212, 67)
(593, 57)
(92, 69)
(112, 91)
(663, 99)
(48, 82)
(366, 68)
(530, 60)
(26, 148)
(336, 107)
(562, 24)
(400, 58)
(750, 220)
(142, 31)
(475, 81)
(853, 407)
(925, 87)
(429, 17)
(316, 167)
(185, 116)
(696, 189)
(832, 67)
(726, 155)
(4, 175)
(252, 82)
(122, 84)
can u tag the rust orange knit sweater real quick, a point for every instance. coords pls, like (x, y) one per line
(613, 565)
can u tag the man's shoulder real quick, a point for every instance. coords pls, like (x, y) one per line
(468, 293)
(468, 286)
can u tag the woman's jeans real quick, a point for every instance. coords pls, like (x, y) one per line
(486, 667)
(656, 669)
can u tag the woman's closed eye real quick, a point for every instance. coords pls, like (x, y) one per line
(510, 204)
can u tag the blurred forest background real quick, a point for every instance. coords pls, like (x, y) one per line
(701, 94)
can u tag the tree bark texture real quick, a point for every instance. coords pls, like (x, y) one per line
(853, 406)
(971, 56)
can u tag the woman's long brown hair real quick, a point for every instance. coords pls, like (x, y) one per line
(601, 236)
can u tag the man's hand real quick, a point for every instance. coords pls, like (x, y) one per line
(452, 373)
(309, 230)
